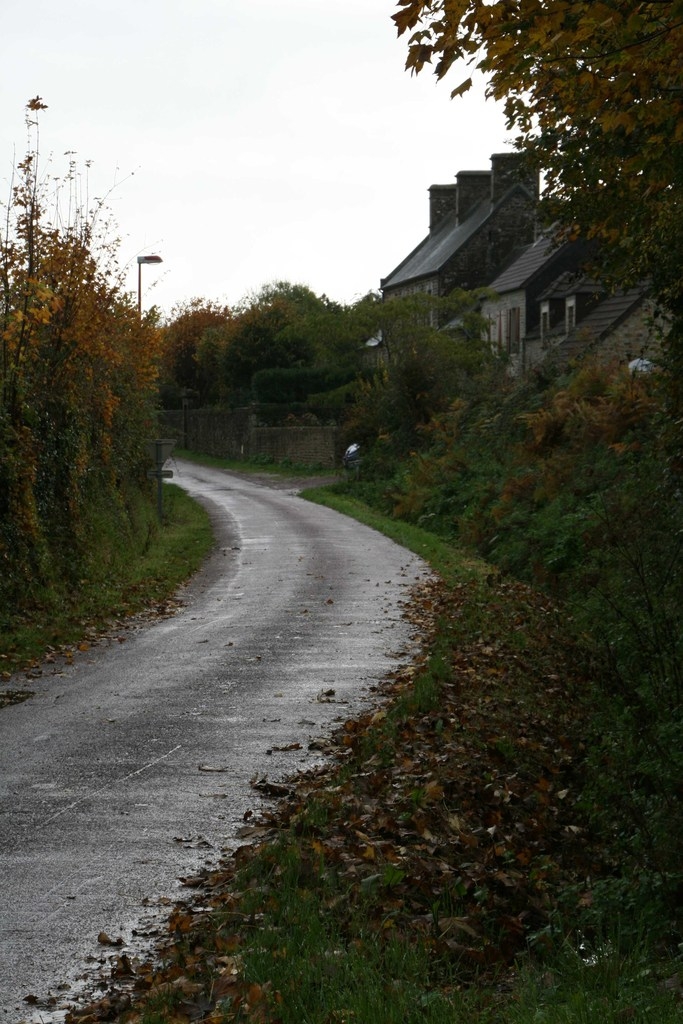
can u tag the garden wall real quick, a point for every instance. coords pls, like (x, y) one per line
(238, 435)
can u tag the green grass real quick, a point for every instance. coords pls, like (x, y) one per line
(259, 465)
(124, 575)
(598, 985)
(304, 928)
(320, 976)
(454, 564)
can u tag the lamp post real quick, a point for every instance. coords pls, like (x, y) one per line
(141, 260)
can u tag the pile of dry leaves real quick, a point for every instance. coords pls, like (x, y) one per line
(450, 813)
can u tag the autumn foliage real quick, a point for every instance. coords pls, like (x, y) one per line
(77, 377)
(448, 823)
(448, 844)
(594, 90)
(277, 345)
(186, 363)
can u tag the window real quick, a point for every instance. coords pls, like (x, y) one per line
(570, 315)
(513, 328)
(545, 323)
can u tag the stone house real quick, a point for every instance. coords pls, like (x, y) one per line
(545, 305)
(475, 224)
(514, 313)
(578, 315)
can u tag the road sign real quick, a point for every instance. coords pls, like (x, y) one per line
(159, 452)
(160, 449)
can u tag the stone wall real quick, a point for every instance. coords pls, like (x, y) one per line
(637, 336)
(238, 435)
(481, 258)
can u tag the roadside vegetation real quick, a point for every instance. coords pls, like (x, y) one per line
(499, 839)
(136, 567)
(457, 859)
(80, 544)
(286, 468)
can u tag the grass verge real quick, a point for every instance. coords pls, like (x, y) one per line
(454, 564)
(126, 575)
(260, 465)
(438, 869)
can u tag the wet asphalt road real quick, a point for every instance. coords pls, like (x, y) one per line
(131, 767)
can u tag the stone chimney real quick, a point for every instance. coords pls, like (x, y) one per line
(473, 186)
(443, 199)
(508, 169)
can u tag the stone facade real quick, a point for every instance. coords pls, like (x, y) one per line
(475, 264)
(507, 321)
(238, 435)
(546, 307)
(475, 225)
(638, 336)
(514, 312)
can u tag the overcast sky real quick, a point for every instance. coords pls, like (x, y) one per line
(247, 141)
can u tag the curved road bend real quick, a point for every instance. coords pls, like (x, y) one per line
(105, 796)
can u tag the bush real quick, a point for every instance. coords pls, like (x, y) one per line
(294, 384)
(564, 482)
(77, 384)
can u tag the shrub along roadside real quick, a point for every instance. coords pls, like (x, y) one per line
(136, 564)
(442, 870)
(255, 465)
(78, 369)
(569, 480)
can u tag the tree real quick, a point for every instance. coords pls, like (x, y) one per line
(595, 90)
(425, 366)
(77, 376)
(188, 360)
(270, 330)
(216, 351)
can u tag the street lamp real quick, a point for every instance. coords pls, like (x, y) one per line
(141, 260)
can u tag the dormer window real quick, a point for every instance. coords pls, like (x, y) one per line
(570, 314)
(545, 322)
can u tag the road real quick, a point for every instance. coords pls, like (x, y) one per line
(130, 767)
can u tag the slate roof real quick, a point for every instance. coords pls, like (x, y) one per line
(522, 269)
(437, 248)
(597, 324)
(571, 283)
(603, 318)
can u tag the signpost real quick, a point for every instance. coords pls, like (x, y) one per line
(159, 452)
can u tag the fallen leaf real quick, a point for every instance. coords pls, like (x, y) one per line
(273, 789)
